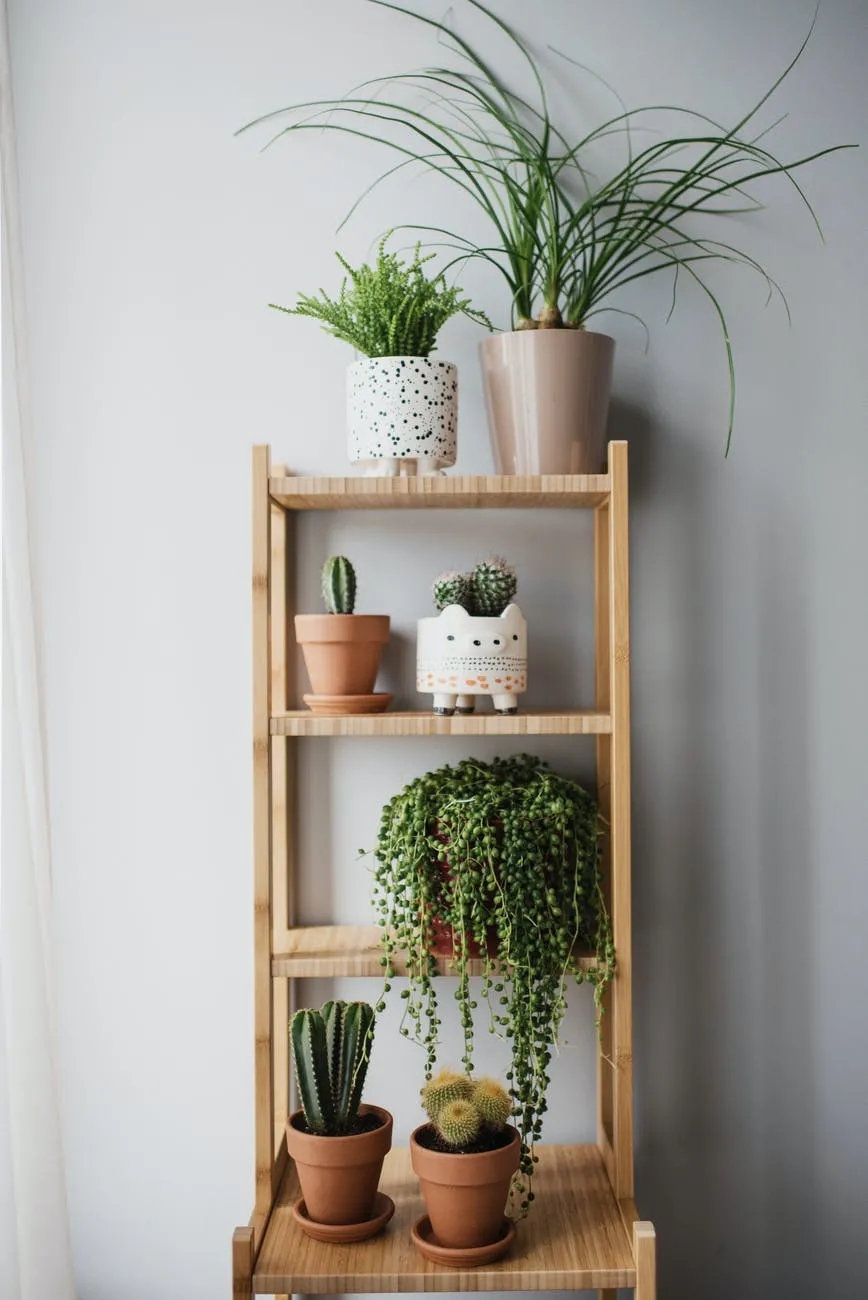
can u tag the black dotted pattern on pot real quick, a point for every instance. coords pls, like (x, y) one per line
(403, 407)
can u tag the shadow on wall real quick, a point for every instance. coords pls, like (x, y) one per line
(725, 1090)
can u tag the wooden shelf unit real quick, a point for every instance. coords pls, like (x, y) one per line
(584, 1231)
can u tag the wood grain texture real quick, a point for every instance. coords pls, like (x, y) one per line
(645, 1254)
(242, 1263)
(573, 1239)
(458, 492)
(533, 722)
(333, 951)
(619, 822)
(602, 700)
(263, 1011)
(280, 796)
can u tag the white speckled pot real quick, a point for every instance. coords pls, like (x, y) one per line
(402, 414)
(460, 656)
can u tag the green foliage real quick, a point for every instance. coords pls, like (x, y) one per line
(493, 585)
(458, 1123)
(339, 585)
(506, 849)
(487, 590)
(452, 588)
(563, 236)
(331, 1049)
(389, 310)
(445, 1087)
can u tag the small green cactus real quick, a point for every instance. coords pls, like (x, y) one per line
(339, 585)
(493, 585)
(452, 588)
(445, 1087)
(492, 1102)
(331, 1050)
(458, 1123)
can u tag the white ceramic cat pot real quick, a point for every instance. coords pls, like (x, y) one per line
(402, 414)
(460, 656)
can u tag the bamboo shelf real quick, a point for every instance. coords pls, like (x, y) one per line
(584, 1231)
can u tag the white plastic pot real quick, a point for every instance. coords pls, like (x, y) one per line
(460, 656)
(402, 414)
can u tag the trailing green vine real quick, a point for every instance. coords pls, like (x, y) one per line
(506, 854)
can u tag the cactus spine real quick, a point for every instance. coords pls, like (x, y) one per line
(445, 1087)
(493, 584)
(331, 1050)
(458, 1123)
(339, 585)
(492, 1102)
(452, 588)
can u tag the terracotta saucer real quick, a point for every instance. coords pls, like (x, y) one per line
(460, 1256)
(334, 705)
(344, 1234)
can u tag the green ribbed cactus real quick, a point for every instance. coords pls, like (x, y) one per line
(445, 1087)
(452, 588)
(493, 585)
(458, 1123)
(339, 585)
(492, 1102)
(331, 1051)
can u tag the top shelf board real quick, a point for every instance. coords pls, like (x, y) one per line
(442, 491)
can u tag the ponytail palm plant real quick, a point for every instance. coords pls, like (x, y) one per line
(563, 240)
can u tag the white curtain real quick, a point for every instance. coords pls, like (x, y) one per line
(35, 1261)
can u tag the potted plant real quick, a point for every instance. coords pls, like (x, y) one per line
(338, 1145)
(402, 406)
(563, 235)
(341, 649)
(465, 1158)
(478, 643)
(505, 855)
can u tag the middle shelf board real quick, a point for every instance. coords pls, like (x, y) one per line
(530, 722)
(574, 1239)
(337, 951)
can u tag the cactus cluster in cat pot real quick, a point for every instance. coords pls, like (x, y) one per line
(477, 644)
(465, 1157)
(342, 649)
(337, 1143)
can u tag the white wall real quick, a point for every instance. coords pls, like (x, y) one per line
(153, 240)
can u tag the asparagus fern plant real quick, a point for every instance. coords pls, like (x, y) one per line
(391, 309)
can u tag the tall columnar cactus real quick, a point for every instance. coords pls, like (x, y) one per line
(331, 1051)
(458, 1123)
(339, 585)
(452, 588)
(445, 1087)
(493, 585)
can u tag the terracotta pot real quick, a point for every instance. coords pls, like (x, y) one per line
(339, 1175)
(342, 651)
(547, 394)
(465, 1195)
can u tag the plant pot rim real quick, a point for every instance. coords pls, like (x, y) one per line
(312, 628)
(322, 1150)
(463, 1155)
(404, 356)
(557, 330)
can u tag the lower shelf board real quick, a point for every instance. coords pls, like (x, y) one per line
(573, 1239)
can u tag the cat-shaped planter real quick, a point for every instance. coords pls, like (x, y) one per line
(460, 656)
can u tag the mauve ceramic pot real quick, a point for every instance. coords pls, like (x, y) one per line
(547, 394)
(339, 1175)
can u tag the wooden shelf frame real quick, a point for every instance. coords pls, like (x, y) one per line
(591, 1236)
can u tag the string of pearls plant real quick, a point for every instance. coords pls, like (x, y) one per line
(507, 855)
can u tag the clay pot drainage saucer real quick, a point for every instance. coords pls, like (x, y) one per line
(330, 706)
(460, 1256)
(344, 1234)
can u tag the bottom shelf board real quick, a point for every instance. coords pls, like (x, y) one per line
(573, 1239)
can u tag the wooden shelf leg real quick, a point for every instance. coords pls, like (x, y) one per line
(242, 1263)
(645, 1252)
